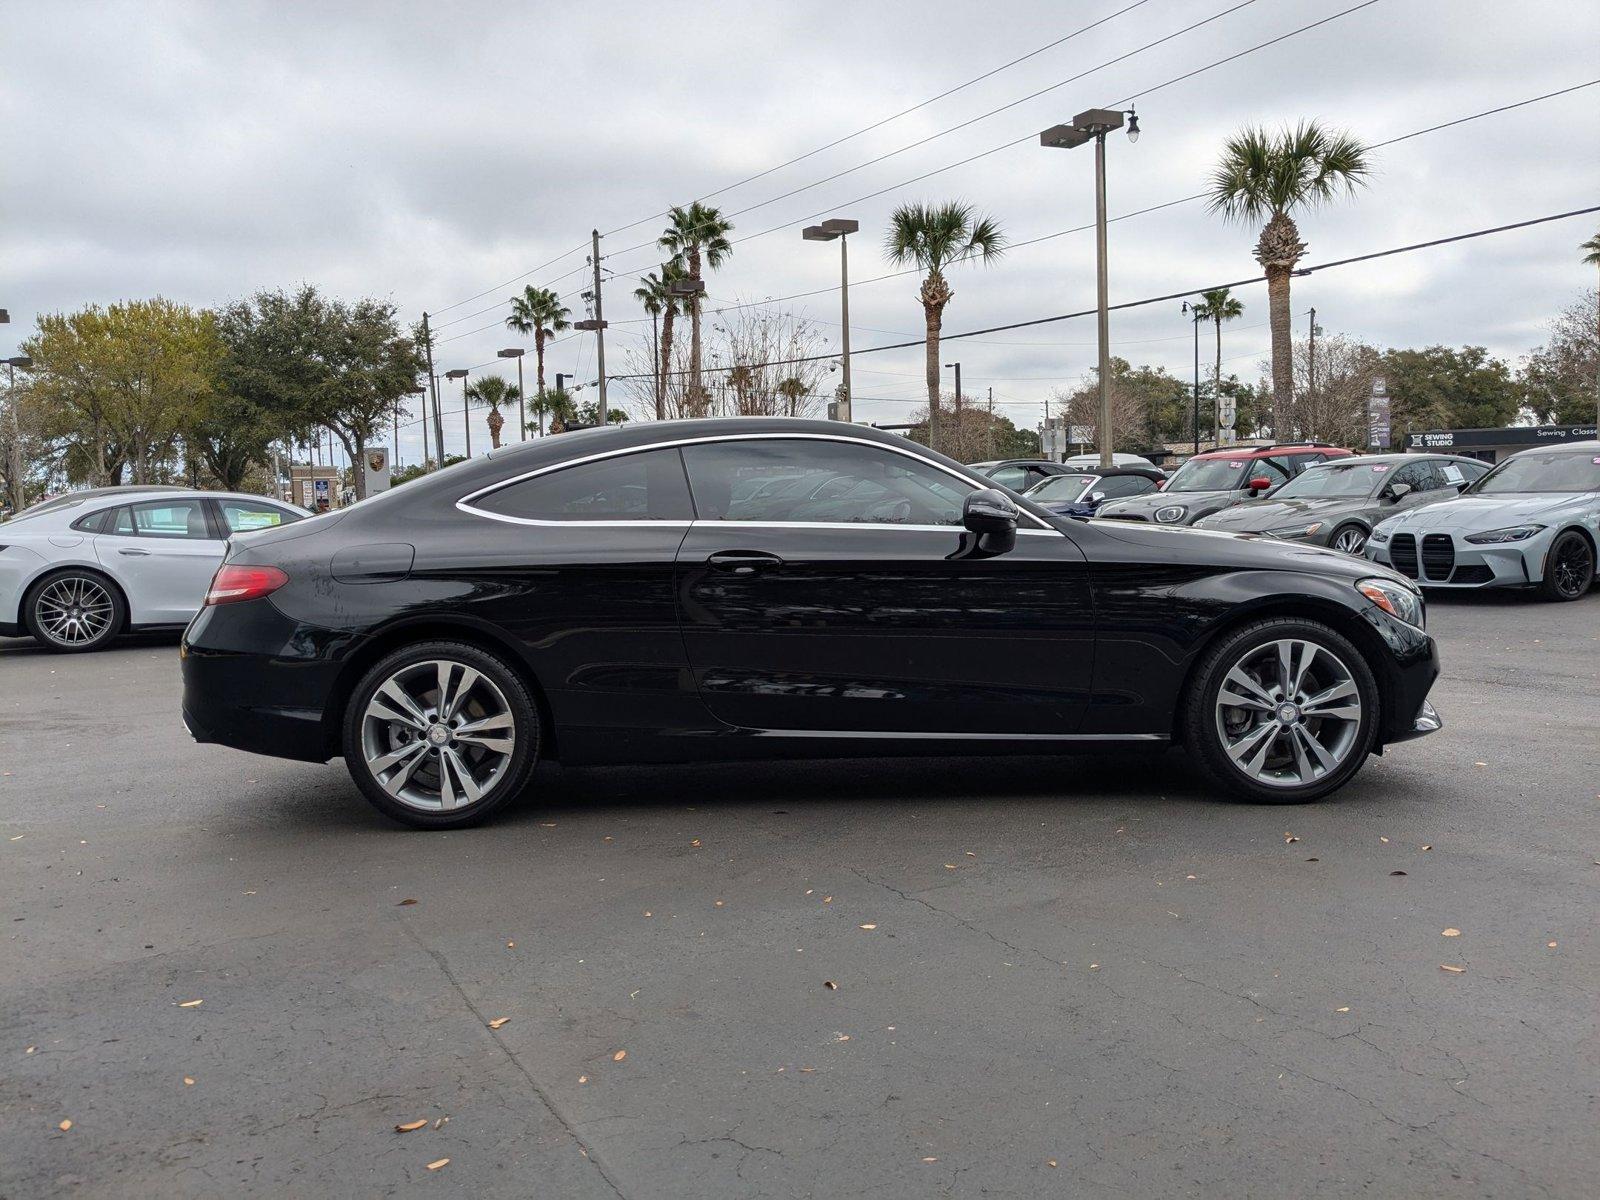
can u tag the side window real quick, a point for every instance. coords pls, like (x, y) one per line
(94, 522)
(1015, 478)
(171, 519)
(241, 516)
(816, 481)
(1125, 485)
(648, 486)
(1269, 468)
(1418, 474)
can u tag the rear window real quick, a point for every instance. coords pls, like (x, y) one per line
(648, 486)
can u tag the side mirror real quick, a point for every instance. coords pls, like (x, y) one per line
(1096, 497)
(1399, 491)
(991, 515)
(1260, 483)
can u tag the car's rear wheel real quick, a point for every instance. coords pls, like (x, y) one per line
(1282, 711)
(1349, 539)
(73, 611)
(1569, 567)
(440, 735)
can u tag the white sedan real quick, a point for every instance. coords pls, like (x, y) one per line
(77, 570)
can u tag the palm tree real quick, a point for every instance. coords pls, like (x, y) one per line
(1266, 176)
(1217, 306)
(931, 238)
(696, 235)
(791, 389)
(492, 392)
(655, 294)
(540, 313)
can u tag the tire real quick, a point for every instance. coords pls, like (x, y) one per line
(1569, 567)
(449, 780)
(74, 611)
(1266, 766)
(1352, 534)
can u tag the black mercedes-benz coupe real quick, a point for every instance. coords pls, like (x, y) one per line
(775, 587)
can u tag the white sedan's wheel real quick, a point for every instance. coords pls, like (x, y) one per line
(73, 611)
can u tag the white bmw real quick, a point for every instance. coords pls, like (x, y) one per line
(80, 569)
(1532, 522)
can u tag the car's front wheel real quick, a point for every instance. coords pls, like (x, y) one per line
(74, 611)
(1282, 711)
(1569, 567)
(440, 735)
(1351, 539)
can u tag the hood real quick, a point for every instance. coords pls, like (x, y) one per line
(1474, 514)
(1195, 504)
(1245, 551)
(1258, 516)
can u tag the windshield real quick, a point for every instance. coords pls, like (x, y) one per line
(1555, 471)
(1210, 475)
(1343, 479)
(1062, 488)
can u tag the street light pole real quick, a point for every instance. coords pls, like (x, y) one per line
(1194, 311)
(433, 386)
(840, 228)
(14, 467)
(957, 367)
(466, 422)
(1095, 123)
(522, 408)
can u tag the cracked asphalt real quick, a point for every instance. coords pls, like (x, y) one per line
(1081, 977)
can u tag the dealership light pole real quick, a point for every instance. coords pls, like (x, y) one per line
(1194, 311)
(466, 421)
(957, 367)
(14, 468)
(840, 228)
(522, 407)
(1096, 123)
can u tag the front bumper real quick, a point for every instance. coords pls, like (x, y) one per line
(1448, 560)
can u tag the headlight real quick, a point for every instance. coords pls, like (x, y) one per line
(1379, 535)
(1395, 599)
(1170, 513)
(1295, 531)
(1514, 533)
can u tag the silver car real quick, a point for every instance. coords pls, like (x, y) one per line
(1532, 522)
(80, 569)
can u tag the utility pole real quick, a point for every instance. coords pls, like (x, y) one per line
(433, 388)
(597, 326)
(1311, 365)
(1102, 299)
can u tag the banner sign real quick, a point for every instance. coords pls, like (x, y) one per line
(1378, 416)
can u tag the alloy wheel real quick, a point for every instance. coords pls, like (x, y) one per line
(1571, 567)
(438, 735)
(75, 611)
(1288, 713)
(1350, 540)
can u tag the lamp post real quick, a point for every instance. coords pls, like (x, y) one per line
(689, 291)
(466, 422)
(1096, 123)
(416, 391)
(840, 228)
(1194, 311)
(14, 468)
(522, 407)
(957, 367)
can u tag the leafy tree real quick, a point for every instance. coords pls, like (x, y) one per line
(538, 313)
(933, 238)
(1217, 305)
(1560, 377)
(696, 235)
(1443, 388)
(492, 392)
(1266, 176)
(1148, 406)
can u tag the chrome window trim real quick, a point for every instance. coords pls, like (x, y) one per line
(464, 504)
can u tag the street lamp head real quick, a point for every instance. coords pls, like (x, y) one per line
(841, 225)
(816, 233)
(458, 373)
(514, 352)
(590, 326)
(1063, 137)
(1098, 120)
(1133, 126)
(686, 287)
(417, 391)
(21, 360)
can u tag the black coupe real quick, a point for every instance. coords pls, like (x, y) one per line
(770, 587)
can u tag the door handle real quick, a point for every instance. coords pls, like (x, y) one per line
(743, 562)
(133, 553)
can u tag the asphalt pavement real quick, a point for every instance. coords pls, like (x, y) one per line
(962, 977)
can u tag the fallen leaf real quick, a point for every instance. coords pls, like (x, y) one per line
(841, 1037)
(619, 1056)
(188, 1081)
(1050, 1162)
(1452, 970)
(1451, 932)
(30, 1049)
(694, 841)
(810, 890)
(719, 903)
(1384, 840)
(1313, 860)
(410, 1126)
(19, 836)
(1480, 764)
(1289, 838)
(439, 1124)
(1428, 846)
(437, 1163)
(1397, 872)
(970, 854)
(930, 1160)
(548, 824)
(648, 913)
(406, 901)
(583, 1079)
(1346, 1008)
(64, 1126)
(808, 1070)
(834, 987)
(869, 925)
(498, 1021)
(829, 899)
(190, 1003)
(511, 945)
(1550, 945)
(1188, 876)
(1094, 966)
(949, 866)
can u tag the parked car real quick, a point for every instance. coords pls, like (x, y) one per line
(1081, 495)
(1091, 462)
(1531, 522)
(1337, 503)
(1020, 474)
(607, 596)
(79, 569)
(1217, 479)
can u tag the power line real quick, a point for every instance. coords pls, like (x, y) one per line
(1169, 296)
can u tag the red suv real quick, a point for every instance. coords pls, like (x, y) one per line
(1219, 479)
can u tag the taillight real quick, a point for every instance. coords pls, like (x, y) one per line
(234, 582)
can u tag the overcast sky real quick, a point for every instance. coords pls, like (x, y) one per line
(426, 152)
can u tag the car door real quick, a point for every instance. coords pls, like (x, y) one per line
(876, 613)
(164, 553)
